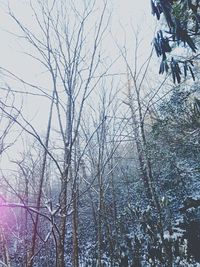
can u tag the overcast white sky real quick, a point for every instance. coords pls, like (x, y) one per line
(126, 14)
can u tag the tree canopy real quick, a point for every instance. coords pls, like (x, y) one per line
(181, 28)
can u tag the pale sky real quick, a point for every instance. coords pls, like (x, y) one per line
(126, 15)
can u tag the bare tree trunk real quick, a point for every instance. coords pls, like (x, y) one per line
(100, 211)
(26, 219)
(38, 202)
(5, 252)
(142, 147)
(64, 182)
(100, 171)
(138, 141)
(75, 198)
(75, 230)
(114, 216)
(62, 227)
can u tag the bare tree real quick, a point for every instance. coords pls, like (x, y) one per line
(68, 48)
(141, 103)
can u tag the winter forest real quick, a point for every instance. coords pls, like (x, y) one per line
(99, 133)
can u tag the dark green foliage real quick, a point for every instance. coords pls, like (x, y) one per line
(182, 28)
